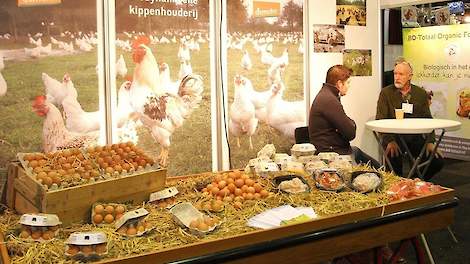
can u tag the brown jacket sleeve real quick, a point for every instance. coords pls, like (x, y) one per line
(384, 111)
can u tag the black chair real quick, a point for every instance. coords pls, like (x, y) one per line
(301, 135)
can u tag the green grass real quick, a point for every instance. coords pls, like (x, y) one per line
(191, 148)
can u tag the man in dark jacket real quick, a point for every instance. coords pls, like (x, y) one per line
(404, 94)
(330, 129)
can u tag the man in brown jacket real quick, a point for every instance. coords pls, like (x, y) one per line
(330, 129)
(395, 96)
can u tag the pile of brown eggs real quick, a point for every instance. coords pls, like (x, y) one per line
(65, 167)
(86, 250)
(235, 187)
(204, 223)
(107, 213)
(132, 228)
(120, 158)
(38, 232)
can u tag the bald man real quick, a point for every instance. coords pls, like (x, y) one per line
(404, 95)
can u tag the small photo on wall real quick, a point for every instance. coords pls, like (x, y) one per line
(351, 12)
(328, 38)
(360, 61)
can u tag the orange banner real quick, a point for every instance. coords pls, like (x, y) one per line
(266, 9)
(22, 3)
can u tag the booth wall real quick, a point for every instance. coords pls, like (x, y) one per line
(360, 102)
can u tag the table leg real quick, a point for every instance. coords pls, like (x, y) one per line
(418, 158)
(426, 247)
(387, 161)
(433, 152)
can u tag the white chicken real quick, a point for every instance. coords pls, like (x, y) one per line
(282, 115)
(3, 85)
(77, 120)
(275, 73)
(33, 53)
(283, 59)
(159, 111)
(242, 119)
(57, 91)
(167, 84)
(54, 134)
(184, 53)
(124, 107)
(121, 68)
(259, 99)
(266, 57)
(246, 61)
(185, 69)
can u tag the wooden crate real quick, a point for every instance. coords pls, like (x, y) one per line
(73, 204)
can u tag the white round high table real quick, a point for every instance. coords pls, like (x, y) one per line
(404, 126)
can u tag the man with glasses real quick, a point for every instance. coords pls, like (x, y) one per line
(413, 100)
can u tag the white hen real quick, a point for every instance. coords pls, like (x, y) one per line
(242, 119)
(54, 134)
(282, 115)
(121, 68)
(246, 61)
(167, 84)
(259, 99)
(57, 91)
(185, 69)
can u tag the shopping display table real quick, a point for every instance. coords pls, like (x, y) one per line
(318, 240)
(424, 126)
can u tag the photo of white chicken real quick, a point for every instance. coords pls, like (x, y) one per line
(55, 135)
(246, 61)
(242, 118)
(185, 69)
(170, 86)
(158, 110)
(57, 91)
(121, 68)
(283, 115)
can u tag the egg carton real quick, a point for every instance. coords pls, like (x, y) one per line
(185, 213)
(37, 225)
(164, 198)
(293, 166)
(133, 218)
(131, 172)
(304, 149)
(312, 167)
(113, 213)
(95, 243)
(30, 172)
(327, 156)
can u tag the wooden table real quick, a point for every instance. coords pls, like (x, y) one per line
(317, 240)
(424, 126)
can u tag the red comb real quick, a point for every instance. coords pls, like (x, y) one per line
(39, 100)
(140, 40)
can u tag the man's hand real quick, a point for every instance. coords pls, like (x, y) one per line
(429, 149)
(392, 149)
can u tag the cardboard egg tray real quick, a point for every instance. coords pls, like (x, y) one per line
(106, 212)
(86, 246)
(185, 213)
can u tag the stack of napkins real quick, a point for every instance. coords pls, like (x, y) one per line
(281, 215)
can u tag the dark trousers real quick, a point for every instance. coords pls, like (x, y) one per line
(363, 158)
(415, 143)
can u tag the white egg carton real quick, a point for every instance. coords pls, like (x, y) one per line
(163, 194)
(328, 156)
(91, 239)
(133, 217)
(307, 159)
(304, 149)
(41, 223)
(314, 166)
(267, 152)
(265, 168)
(185, 213)
(282, 158)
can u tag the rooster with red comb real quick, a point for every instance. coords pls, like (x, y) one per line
(158, 110)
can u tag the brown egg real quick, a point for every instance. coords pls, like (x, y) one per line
(72, 250)
(203, 226)
(47, 235)
(109, 218)
(208, 220)
(36, 234)
(33, 163)
(239, 183)
(257, 187)
(251, 189)
(101, 248)
(264, 193)
(120, 209)
(140, 228)
(99, 209)
(86, 249)
(97, 218)
(42, 162)
(47, 181)
(53, 228)
(131, 231)
(109, 170)
(118, 168)
(238, 192)
(25, 234)
(194, 224)
(118, 216)
(249, 196)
